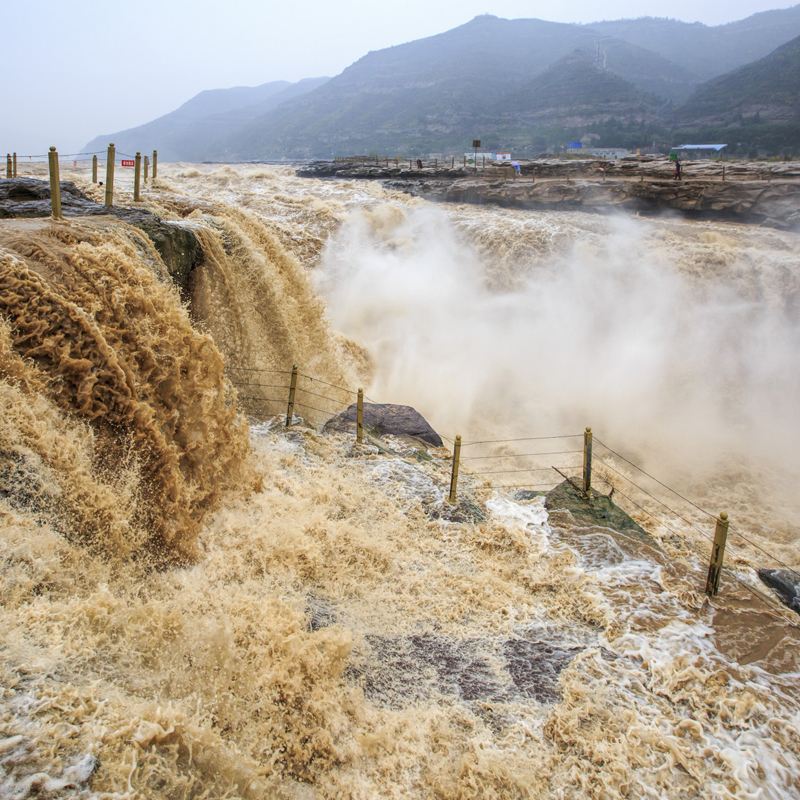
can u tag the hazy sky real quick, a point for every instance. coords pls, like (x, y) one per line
(74, 69)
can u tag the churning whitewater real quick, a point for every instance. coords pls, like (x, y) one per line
(198, 602)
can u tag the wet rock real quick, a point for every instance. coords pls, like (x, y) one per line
(177, 244)
(534, 667)
(397, 671)
(597, 510)
(382, 419)
(785, 583)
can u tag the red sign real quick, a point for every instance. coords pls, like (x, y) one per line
(128, 162)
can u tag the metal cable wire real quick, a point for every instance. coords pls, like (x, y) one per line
(262, 385)
(773, 612)
(260, 369)
(533, 469)
(735, 532)
(282, 400)
(322, 396)
(644, 491)
(765, 552)
(652, 477)
(312, 408)
(522, 439)
(525, 455)
(326, 383)
(654, 517)
(523, 485)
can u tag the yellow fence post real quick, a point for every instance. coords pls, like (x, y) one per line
(137, 177)
(111, 157)
(587, 460)
(155, 165)
(360, 417)
(454, 473)
(94, 169)
(717, 554)
(292, 391)
(55, 183)
(14, 165)
(8, 165)
(146, 167)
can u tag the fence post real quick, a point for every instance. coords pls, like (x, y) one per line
(723, 173)
(292, 390)
(155, 165)
(146, 167)
(465, 162)
(360, 417)
(137, 177)
(8, 165)
(111, 157)
(94, 169)
(55, 183)
(454, 473)
(14, 165)
(717, 554)
(587, 460)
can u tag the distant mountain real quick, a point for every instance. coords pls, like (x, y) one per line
(755, 107)
(525, 83)
(194, 130)
(708, 51)
(769, 87)
(432, 93)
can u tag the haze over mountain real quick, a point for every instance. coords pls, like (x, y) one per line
(525, 83)
(197, 127)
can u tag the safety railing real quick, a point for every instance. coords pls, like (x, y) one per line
(536, 463)
(144, 170)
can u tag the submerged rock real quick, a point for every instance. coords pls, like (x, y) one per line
(382, 419)
(785, 583)
(177, 245)
(597, 510)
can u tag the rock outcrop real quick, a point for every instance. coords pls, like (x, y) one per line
(177, 244)
(785, 583)
(765, 194)
(386, 418)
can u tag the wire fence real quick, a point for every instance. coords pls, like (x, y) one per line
(537, 463)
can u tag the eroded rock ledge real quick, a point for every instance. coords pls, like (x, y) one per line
(751, 193)
(177, 244)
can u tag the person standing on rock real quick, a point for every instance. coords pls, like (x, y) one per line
(677, 175)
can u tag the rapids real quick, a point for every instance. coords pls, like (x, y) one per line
(185, 615)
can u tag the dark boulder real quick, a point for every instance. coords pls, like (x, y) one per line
(386, 418)
(177, 244)
(785, 583)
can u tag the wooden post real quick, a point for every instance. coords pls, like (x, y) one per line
(587, 461)
(452, 162)
(723, 173)
(111, 157)
(454, 473)
(292, 390)
(717, 554)
(465, 162)
(8, 165)
(55, 183)
(155, 165)
(360, 417)
(14, 164)
(137, 177)
(94, 169)
(409, 164)
(146, 167)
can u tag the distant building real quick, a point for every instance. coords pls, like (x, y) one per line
(501, 156)
(608, 152)
(696, 152)
(483, 158)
